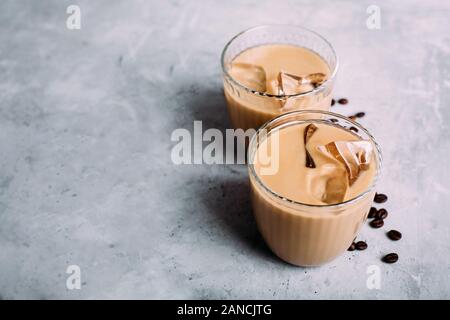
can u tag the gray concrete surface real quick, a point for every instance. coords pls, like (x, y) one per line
(85, 172)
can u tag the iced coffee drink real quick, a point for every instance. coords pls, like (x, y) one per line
(312, 202)
(271, 70)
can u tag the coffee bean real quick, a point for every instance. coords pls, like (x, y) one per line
(334, 120)
(352, 118)
(394, 235)
(361, 245)
(343, 101)
(333, 102)
(372, 212)
(377, 223)
(390, 258)
(352, 247)
(354, 129)
(380, 198)
(360, 114)
(381, 214)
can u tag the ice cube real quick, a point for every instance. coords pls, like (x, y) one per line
(290, 84)
(315, 79)
(274, 87)
(307, 134)
(328, 183)
(250, 75)
(354, 155)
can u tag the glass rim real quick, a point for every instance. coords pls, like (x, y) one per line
(279, 96)
(252, 149)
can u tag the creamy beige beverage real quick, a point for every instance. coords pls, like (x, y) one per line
(288, 77)
(311, 208)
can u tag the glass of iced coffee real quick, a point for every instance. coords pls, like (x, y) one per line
(312, 177)
(274, 69)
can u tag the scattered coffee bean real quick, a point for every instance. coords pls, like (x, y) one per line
(352, 247)
(361, 245)
(380, 198)
(377, 223)
(394, 235)
(390, 258)
(334, 120)
(352, 118)
(333, 102)
(381, 214)
(372, 212)
(354, 129)
(360, 114)
(343, 101)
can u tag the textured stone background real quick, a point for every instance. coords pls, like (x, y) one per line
(85, 171)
